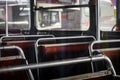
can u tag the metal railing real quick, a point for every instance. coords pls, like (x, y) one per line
(92, 48)
(63, 62)
(25, 36)
(21, 53)
(92, 58)
(92, 38)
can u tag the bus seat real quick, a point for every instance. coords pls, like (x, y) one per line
(26, 42)
(14, 60)
(110, 48)
(13, 75)
(60, 49)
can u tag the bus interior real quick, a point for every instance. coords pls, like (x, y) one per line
(59, 39)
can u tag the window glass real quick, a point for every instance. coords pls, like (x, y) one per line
(15, 13)
(2, 17)
(76, 18)
(106, 17)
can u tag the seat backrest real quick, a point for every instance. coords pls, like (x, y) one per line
(110, 48)
(64, 44)
(14, 60)
(73, 49)
(14, 75)
(26, 42)
(59, 48)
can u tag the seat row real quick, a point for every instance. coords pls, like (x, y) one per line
(48, 48)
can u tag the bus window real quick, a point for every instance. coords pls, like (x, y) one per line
(106, 17)
(78, 18)
(15, 13)
(85, 19)
(62, 19)
(2, 17)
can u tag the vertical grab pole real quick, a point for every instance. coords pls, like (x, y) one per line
(94, 20)
(6, 30)
(33, 24)
(97, 19)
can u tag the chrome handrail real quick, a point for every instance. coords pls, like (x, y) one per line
(103, 41)
(91, 49)
(24, 36)
(21, 53)
(63, 62)
(68, 37)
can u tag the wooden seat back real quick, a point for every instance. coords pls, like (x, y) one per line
(14, 60)
(110, 48)
(25, 42)
(52, 49)
(14, 75)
